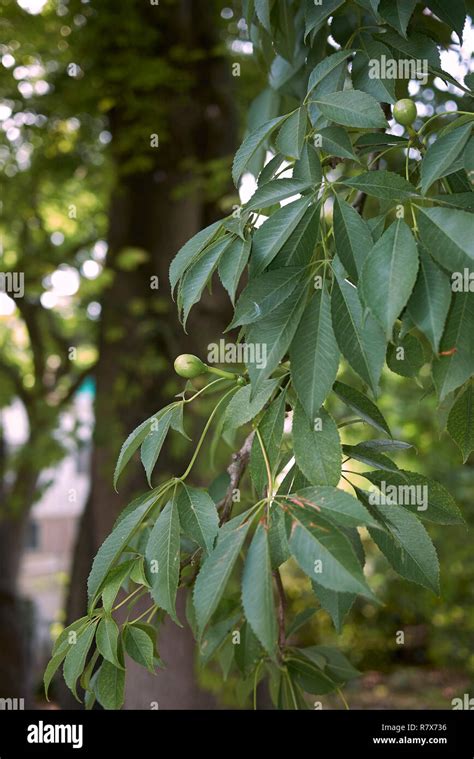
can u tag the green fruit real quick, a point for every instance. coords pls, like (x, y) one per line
(404, 111)
(189, 366)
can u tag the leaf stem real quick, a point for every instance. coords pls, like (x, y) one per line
(203, 435)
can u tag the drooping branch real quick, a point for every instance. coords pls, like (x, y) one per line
(235, 471)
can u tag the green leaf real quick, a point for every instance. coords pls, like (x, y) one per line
(251, 144)
(115, 543)
(461, 422)
(416, 46)
(242, 407)
(191, 250)
(406, 357)
(364, 66)
(314, 354)
(272, 235)
(162, 556)
(107, 640)
(463, 200)
(455, 367)
(51, 669)
(262, 9)
(360, 339)
(62, 641)
(325, 554)
(198, 516)
(153, 443)
(337, 605)
(362, 406)
(275, 191)
(385, 185)
(440, 157)
(291, 136)
(334, 504)
(257, 591)
(249, 651)
(448, 235)
(140, 646)
(351, 108)
(469, 164)
(132, 443)
(114, 582)
(264, 293)
(427, 498)
(110, 686)
(232, 264)
(397, 13)
(215, 636)
(328, 76)
(429, 303)
(299, 248)
(76, 657)
(335, 141)
(271, 432)
(370, 457)
(310, 677)
(352, 237)
(215, 572)
(317, 15)
(453, 14)
(384, 445)
(407, 547)
(308, 166)
(389, 274)
(277, 538)
(199, 273)
(270, 169)
(336, 665)
(317, 447)
(274, 335)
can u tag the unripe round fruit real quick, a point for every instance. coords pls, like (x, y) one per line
(189, 366)
(404, 111)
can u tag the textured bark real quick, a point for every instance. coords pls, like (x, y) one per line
(146, 213)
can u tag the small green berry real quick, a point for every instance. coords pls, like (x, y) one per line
(404, 111)
(189, 366)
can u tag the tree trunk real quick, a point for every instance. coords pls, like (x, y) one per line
(15, 623)
(14, 678)
(140, 334)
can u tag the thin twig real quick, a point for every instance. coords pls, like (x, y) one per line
(281, 609)
(235, 471)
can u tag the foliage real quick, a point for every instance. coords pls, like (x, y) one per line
(369, 285)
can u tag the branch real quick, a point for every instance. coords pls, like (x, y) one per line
(13, 373)
(281, 609)
(361, 197)
(235, 470)
(77, 383)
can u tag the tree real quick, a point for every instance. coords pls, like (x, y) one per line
(363, 265)
(44, 357)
